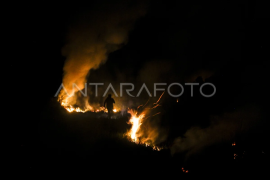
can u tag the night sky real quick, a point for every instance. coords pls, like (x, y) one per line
(225, 43)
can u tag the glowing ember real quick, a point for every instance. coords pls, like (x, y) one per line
(157, 148)
(233, 144)
(184, 171)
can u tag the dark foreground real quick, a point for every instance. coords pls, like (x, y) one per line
(75, 142)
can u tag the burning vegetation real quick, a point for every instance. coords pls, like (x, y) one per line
(135, 134)
(137, 118)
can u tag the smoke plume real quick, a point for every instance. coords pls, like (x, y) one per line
(96, 33)
(222, 129)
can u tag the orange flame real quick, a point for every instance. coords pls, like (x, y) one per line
(67, 105)
(136, 122)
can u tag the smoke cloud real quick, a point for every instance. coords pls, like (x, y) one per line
(222, 129)
(100, 31)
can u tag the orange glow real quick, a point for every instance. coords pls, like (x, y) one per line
(66, 103)
(184, 171)
(136, 122)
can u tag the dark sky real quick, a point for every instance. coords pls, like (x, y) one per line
(224, 42)
(208, 34)
(227, 38)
